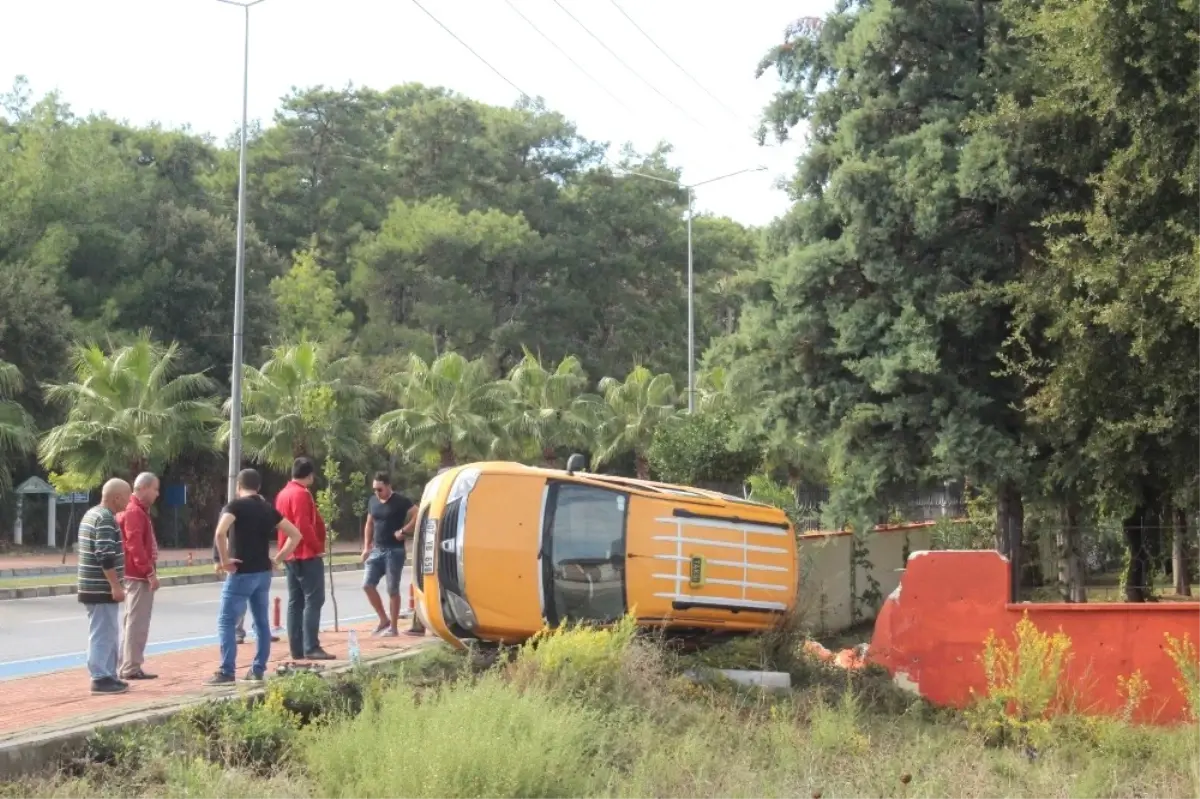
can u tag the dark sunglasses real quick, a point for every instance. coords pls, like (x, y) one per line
(379, 490)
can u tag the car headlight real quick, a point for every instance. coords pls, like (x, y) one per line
(461, 610)
(430, 489)
(464, 481)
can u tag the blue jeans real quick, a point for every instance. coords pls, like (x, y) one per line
(239, 591)
(382, 561)
(306, 596)
(104, 639)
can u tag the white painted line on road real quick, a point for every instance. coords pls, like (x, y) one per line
(198, 641)
(84, 654)
(59, 618)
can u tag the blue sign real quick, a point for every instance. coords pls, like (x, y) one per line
(74, 498)
(175, 495)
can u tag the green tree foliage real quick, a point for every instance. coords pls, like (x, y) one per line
(435, 279)
(309, 306)
(701, 449)
(299, 403)
(871, 328)
(448, 410)
(1109, 313)
(550, 411)
(128, 410)
(18, 436)
(633, 411)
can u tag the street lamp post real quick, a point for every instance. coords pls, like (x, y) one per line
(239, 280)
(691, 281)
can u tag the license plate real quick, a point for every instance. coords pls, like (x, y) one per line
(430, 538)
(698, 573)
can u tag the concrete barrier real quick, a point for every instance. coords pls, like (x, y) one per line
(931, 632)
(828, 595)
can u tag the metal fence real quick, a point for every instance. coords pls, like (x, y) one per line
(905, 506)
(1092, 563)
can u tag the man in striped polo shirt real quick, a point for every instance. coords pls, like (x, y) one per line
(101, 570)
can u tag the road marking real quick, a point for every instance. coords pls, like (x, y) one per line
(79, 617)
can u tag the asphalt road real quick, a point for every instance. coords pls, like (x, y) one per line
(46, 634)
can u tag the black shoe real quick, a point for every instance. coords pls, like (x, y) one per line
(108, 685)
(252, 676)
(220, 678)
(241, 639)
(318, 654)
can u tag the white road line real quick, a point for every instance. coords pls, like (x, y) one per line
(84, 654)
(77, 617)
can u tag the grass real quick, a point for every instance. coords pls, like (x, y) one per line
(609, 713)
(68, 578)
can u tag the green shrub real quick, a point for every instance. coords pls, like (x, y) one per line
(470, 739)
(580, 657)
(1024, 685)
(700, 448)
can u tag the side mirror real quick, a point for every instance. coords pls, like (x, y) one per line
(576, 463)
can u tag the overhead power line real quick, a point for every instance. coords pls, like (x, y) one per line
(667, 55)
(567, 56)
(621, 61)
(470, 49)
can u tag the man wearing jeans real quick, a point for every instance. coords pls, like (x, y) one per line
(254, 522)
(305, 575)
(390, 520)
(100, 587)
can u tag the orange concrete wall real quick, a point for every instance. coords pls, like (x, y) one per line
(930, 632)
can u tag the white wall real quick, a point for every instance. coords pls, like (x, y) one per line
(824, 599)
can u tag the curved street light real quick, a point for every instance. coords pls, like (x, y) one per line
(691, 312)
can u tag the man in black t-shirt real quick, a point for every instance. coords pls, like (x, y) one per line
(391, 518)
(249, 565)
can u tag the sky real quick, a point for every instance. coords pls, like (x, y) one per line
(179, 62)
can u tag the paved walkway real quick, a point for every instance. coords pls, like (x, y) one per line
(60, 700)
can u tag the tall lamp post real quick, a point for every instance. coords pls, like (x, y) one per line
(239, 280)
(691, 293)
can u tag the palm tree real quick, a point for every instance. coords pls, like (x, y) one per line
(17, 433)
(634, 410)
(450, 409)
(297, 404)
(550, 409)
(127, 410)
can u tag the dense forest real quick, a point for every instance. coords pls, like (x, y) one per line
(988, 283)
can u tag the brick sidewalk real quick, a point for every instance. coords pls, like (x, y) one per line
(45, 702)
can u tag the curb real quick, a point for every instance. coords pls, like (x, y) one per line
(41, 571)
(165, 582)
(25, 757)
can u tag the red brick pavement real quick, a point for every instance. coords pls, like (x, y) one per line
(47, 701)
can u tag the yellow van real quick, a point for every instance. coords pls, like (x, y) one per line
(503, 549)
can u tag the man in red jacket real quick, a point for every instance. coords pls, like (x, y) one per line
(141, 581)
(305, 575)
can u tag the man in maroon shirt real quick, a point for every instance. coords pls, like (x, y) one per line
(305, 575)
(141, 581)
